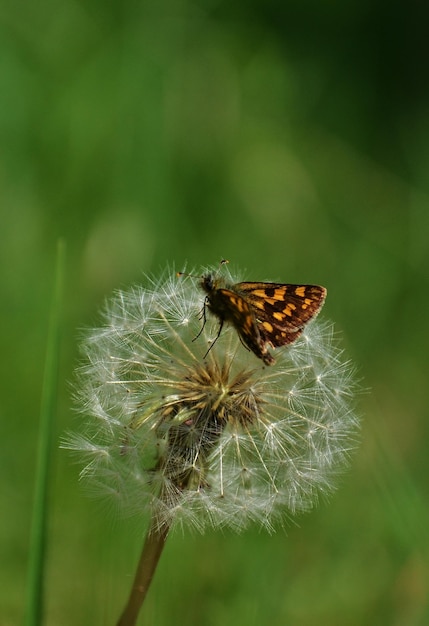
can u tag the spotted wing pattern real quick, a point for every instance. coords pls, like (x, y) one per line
(281, 310)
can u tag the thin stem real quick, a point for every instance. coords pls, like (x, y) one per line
(152, 549)
(39, 525)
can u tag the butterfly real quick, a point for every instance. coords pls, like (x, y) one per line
(263, 314)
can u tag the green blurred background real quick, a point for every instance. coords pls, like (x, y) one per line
(290, 138)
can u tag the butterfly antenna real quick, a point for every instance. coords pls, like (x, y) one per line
(178, 274)
(221, 263)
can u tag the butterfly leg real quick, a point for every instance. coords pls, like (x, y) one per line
(202, 317)
(215, 339)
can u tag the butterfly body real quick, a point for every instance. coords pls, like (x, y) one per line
(264, 314)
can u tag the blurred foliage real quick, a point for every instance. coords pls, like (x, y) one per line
(292, 139)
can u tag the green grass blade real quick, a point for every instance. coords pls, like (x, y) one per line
(37, 557)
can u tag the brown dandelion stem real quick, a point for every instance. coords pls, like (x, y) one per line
(152, 549)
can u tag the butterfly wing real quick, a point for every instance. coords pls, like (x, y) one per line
(282, 310)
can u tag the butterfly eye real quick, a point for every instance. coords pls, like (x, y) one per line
(208, 282)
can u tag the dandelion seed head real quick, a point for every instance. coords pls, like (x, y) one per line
(201, 439)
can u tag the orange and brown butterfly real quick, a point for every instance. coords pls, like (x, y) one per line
(263, 314)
